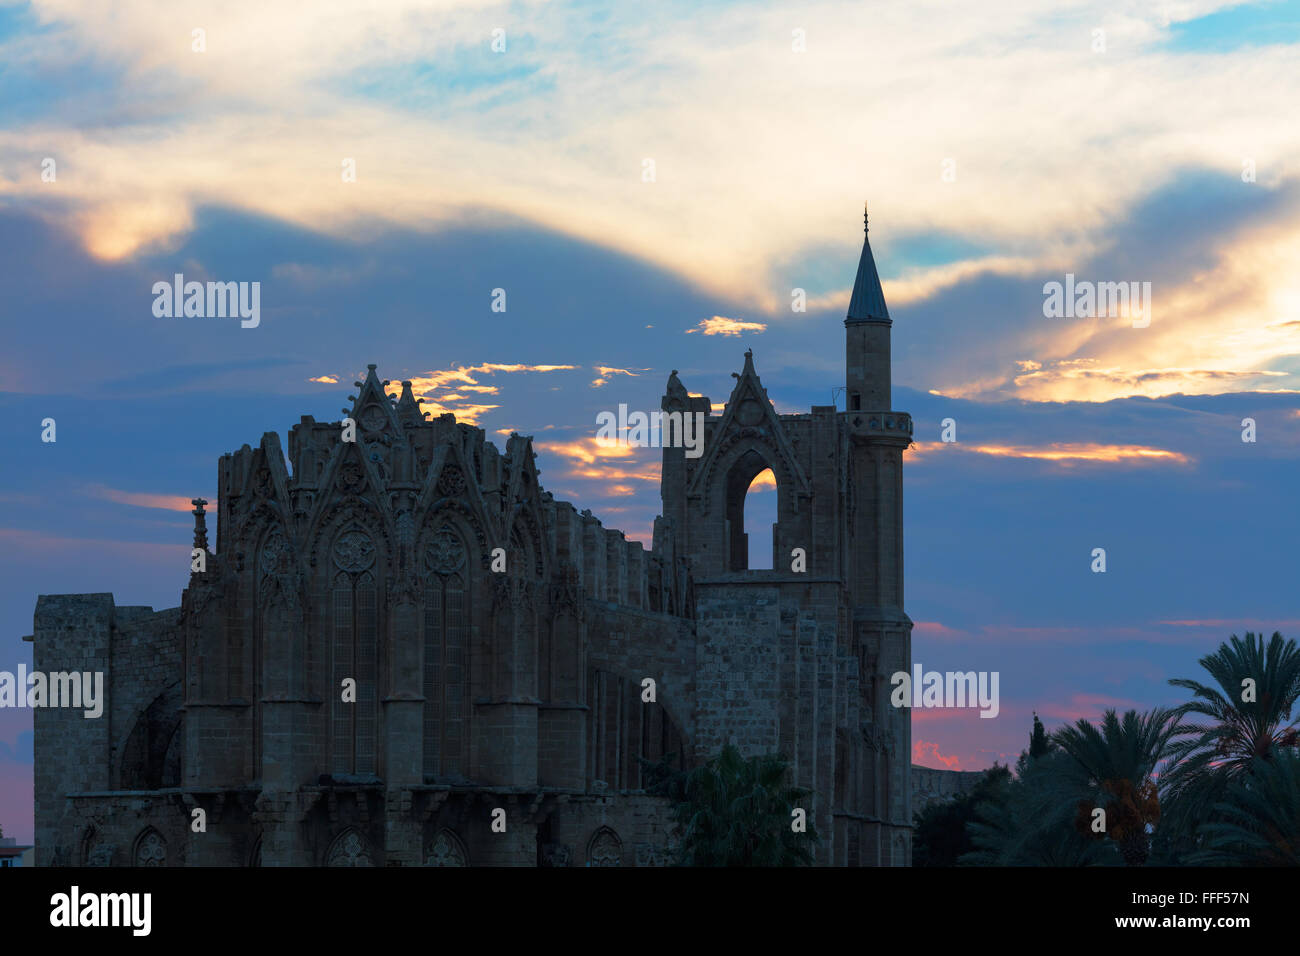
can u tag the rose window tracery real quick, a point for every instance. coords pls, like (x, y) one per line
(353, 552)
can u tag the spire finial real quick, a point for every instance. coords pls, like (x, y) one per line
(200, 525)
(865, 227)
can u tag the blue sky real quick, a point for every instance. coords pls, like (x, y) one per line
(524, 170)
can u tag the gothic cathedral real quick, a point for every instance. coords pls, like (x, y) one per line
(403, 651)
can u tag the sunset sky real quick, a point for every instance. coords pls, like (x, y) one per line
(1002, 146)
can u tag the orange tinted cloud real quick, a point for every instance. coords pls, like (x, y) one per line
(1065, 453)
(464, 375)
(613, 468)
(463, 379)
(925, 750)
(1084, 380)
(935, 629)
(588, 450)
(606, 371)
(466, 414)
(721, 325)
(325, 380)
(650, 473)
(141, 499)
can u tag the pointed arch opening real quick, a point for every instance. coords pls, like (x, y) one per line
(751, 513)
(446, 649)
(760, 520)
(151, 755)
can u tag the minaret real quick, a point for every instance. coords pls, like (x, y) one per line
(877, 438)
(867, 337)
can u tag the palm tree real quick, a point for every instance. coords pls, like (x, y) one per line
(1028, 821)
(1114, 769)
(1259, 823)
(1248, 718)
(733, 811)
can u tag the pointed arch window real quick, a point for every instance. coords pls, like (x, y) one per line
(150, 849)
(752, 508)
(446, 638)
(446, 850)
(605, 849)
(760, 520)
(349, 848)
(354, 654)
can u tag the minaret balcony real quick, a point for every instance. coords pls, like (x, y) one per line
(895, 425)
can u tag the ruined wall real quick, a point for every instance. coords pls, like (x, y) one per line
(139, 653)
(931, 785)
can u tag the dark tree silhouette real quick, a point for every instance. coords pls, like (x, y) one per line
(941, 836)
(737, 811)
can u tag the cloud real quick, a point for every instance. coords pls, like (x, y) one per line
(141, 499)
(604, 469)
(464, 378)
(926, 753)
(72, 549)
(1061, 453)
(933, 629)
(325, 380)
(920, 283)
(1080, 380)
(605, 372)
(1049, 635)
(1240, 626)
(289, 90)
(446, 133)
(604, 472)
(721, 325)
(1083, 706)
(588, 451)
(1223, 303)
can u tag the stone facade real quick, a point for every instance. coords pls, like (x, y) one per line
(485, 694)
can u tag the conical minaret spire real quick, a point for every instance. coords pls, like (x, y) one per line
(867, 304)
(866, 347)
